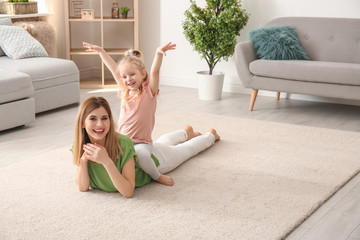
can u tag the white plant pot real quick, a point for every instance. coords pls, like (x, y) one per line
(210, 86)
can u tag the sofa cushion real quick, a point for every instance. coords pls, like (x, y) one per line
(277, 43)
(17, 43)
(14, 86)
(41, 31)
(308, 71)
(326, 39)
(44, 72)
(7, 22)
(17, 113)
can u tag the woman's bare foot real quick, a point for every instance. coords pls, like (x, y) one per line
(213, 131)
(166, 180)
(190, 132)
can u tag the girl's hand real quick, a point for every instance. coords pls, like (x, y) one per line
(92, 48)
(169, 46)
(96, 153)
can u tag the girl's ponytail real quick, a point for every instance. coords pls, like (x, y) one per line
(133, 53)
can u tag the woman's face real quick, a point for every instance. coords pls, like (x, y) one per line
(131, 76)
(97, 125)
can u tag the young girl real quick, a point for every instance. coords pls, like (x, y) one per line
(107, 160)
(138, 93)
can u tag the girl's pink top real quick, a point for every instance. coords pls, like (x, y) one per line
(137, 118)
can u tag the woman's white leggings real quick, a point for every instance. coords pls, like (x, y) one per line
(171, 150)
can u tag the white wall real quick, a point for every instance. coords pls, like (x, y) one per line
(160, 22)
(57, 21)
(179, 67)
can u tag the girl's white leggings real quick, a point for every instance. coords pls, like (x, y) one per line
(172, 149)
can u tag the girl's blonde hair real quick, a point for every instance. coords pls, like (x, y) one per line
(135, 57)
(81, 137)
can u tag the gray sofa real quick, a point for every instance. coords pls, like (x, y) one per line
(333, 46)
(34, 85)
(17, 105)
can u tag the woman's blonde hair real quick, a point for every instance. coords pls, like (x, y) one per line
(135, 57)
(81, 137)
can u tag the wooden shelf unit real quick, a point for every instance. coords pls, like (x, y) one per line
(30, 15)
(101, 19)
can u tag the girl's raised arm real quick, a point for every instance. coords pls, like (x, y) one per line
(105, 57)
(155, 68)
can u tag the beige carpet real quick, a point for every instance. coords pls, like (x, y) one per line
(259, 182)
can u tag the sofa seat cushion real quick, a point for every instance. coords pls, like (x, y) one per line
(14, 86)
(308, 71)
(44, 72)
(17, 113)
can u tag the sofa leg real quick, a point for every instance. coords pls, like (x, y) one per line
(253, 98)
(277, 95)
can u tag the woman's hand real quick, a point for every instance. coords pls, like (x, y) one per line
(125, 182)
(92, 48)
(169, 46)
(96, 153)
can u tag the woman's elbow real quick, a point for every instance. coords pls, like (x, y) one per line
(128, 195)
(83, 189)
(81, 186)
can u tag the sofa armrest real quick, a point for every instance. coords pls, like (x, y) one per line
(244, 55)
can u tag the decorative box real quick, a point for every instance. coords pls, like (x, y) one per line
(14, 8)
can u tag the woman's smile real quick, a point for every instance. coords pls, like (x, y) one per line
(99, 131)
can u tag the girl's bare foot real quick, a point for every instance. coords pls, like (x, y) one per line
(166, 180)
(190, 132)
(213, 131)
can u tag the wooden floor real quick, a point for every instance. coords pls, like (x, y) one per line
(337, 219)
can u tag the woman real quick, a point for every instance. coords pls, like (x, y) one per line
(107, 160)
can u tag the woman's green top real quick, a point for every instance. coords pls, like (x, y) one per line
(100, 179)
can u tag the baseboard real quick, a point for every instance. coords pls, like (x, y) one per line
(320, 99)
(192, 83)
(238, 88)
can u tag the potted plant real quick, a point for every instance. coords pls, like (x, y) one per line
(124, 12)
(212, 31)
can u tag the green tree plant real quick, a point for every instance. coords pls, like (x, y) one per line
(212, 30)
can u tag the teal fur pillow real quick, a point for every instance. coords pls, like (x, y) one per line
(277, 43)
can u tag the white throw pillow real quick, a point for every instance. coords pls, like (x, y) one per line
(17, 43)
(4, 21)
